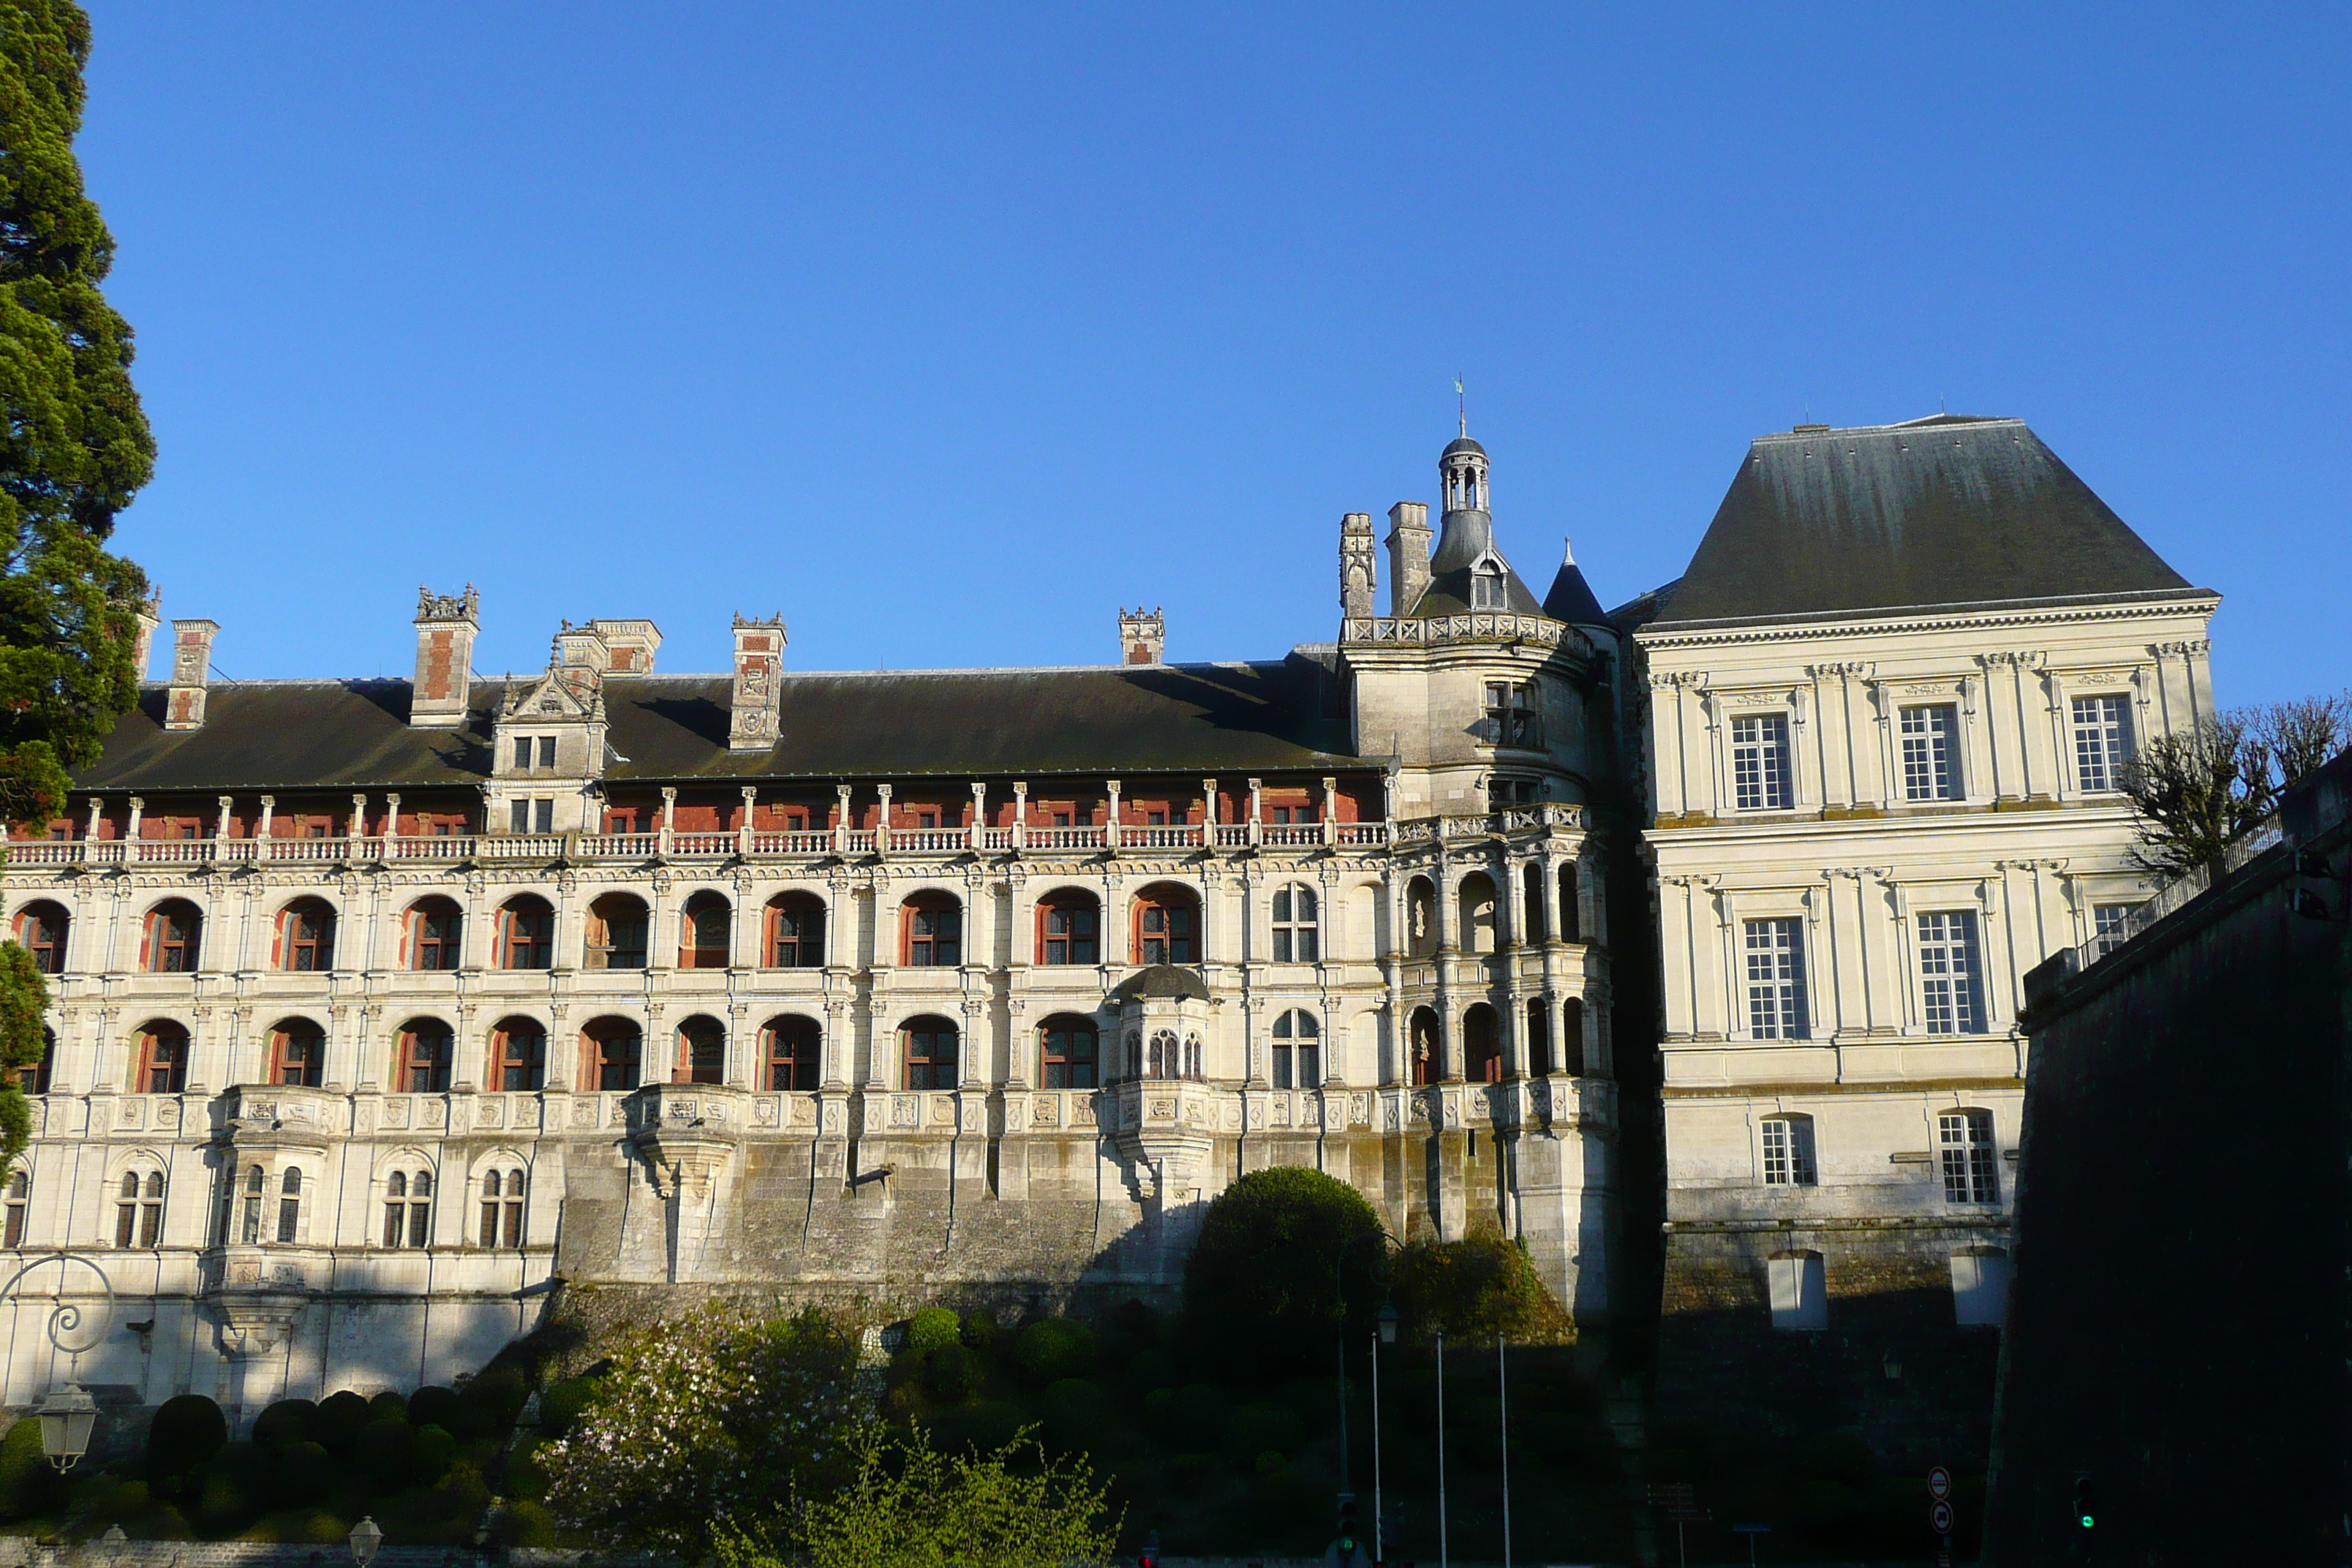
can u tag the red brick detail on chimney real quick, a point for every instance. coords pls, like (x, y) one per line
(440, 684)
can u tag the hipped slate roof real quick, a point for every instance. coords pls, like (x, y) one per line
(970, 723)
(1942, 513)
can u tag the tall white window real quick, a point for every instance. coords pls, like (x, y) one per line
(1951, 973)
(1964, 1139)
(2107, 925)
(1294, 925)
(1297, 1063)
(1930, 768)
(1789, 1153)
(2102, 741)
(1760, 763)
(1776, 979)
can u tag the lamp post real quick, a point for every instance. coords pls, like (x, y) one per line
(1441, 1449)
(68, 1415)
(1388, 1336)
(367, 1535)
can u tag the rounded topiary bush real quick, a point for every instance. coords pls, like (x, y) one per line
(1474, 1289)
(432, 1405)
(337, 1425)
(1053, 1349)
(287, 1421)
(298, 1474)
(489, 1404)
(185, 1436)
(29, 1487)
(384, 1452)
(933, 1328)
(979, 1330)
(1280, 1253)
(388, 1405)
(560, 1405)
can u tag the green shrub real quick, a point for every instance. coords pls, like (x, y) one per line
(29, 1488)
(987, 1425)
(430, 1459)
(489, 1404)
(933, 1327)
(186, 1435)
(337, 1425)
(384, 1452)
(949, 1373)
(432, 1405)
(1475, 1289)
(1190, 1420)
(979, 1331)
(1077, 1414)
(388, 1405)
(298, 1475)
(1264, 1429)
(298, 1527)
(1053, 1349)
(287, 1421)
(1280, 1251)
(560, 1405)
(525, 1522)
(225, 1506)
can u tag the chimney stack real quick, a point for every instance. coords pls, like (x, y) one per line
(146, 618)
(192, 663)
(1408, 555)
(1142, 635)
(445, 624)
(753, 718)
(582, 657)
(1358, 565)
(633, 645)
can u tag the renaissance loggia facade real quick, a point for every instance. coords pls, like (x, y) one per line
(383, 1008)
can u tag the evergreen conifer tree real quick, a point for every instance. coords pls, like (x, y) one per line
(74, 448)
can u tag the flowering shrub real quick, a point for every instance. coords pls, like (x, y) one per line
(709, 1422)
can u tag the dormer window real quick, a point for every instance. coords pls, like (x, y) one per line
(533, 751)
(1486, 587)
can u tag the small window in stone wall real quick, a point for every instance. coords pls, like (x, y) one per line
(1980, 1288)
(1799, 1292)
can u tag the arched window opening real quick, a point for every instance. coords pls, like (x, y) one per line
(1192, 1058)
(20, 1203)
(1532, 924)
(173, 939)
(1965, 1143)
(1294, 924)
(1421, 916)
(1539, 1035)
(1476, 899)
(928, 1049)
(34, 1079)
(1167, 1055)
(297, 1054)
(518, 1054)
(932, 924)
(434, 928)
(1428, 1047)
(701, 1051)
(138, 1209)
(795, 931)
(1067, 1049)
(305, 937)
(426, 1047)
(249, 1233)
(526, 933)
(163, 1066)
(615, 932)
(1069, 927)
(1297, 1057)
(40, 930)
(502, 1208)
(611, 1056)
(706, 931)
(1572, 1034)
(1167, 925)
(408, 1209)
(791, 1044)
(1482, 1047)
(289, 1205)
(1789, 1152)
(1572, 917)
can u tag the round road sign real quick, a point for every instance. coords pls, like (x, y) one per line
(1939, 1518)
(1939, 1483)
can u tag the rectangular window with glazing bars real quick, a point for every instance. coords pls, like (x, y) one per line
(1760, 763)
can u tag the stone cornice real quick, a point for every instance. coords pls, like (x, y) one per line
(1882, 623)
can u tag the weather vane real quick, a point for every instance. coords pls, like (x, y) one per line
(1462, 404)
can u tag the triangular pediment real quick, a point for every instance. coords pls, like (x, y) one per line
(551, 699)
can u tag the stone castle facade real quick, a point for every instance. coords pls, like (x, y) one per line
(386, 1011)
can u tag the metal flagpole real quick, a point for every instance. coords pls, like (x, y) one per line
(1503, 1385)
(1441, 1449)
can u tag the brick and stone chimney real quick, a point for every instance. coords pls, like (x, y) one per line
(145, 619)
(1408, 555)
(192, 663)
(1142, 635)
(633, 645)
(1358, 565)
(754, 712)
(445, 624)
(582, 657)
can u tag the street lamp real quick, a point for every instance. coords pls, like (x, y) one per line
(367, 1536)
(68, 1416)
(1388, 1321)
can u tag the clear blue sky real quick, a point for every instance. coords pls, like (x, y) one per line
(945, 331)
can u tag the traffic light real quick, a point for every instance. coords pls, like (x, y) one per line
(2086, 1504)
(1347, 1537)
(1149, 1556)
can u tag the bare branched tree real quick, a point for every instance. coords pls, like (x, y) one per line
(2198, 791)
(2302, 735)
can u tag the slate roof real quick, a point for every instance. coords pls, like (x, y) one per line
(966, 724)
(1572, 598)
(1941, 512)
